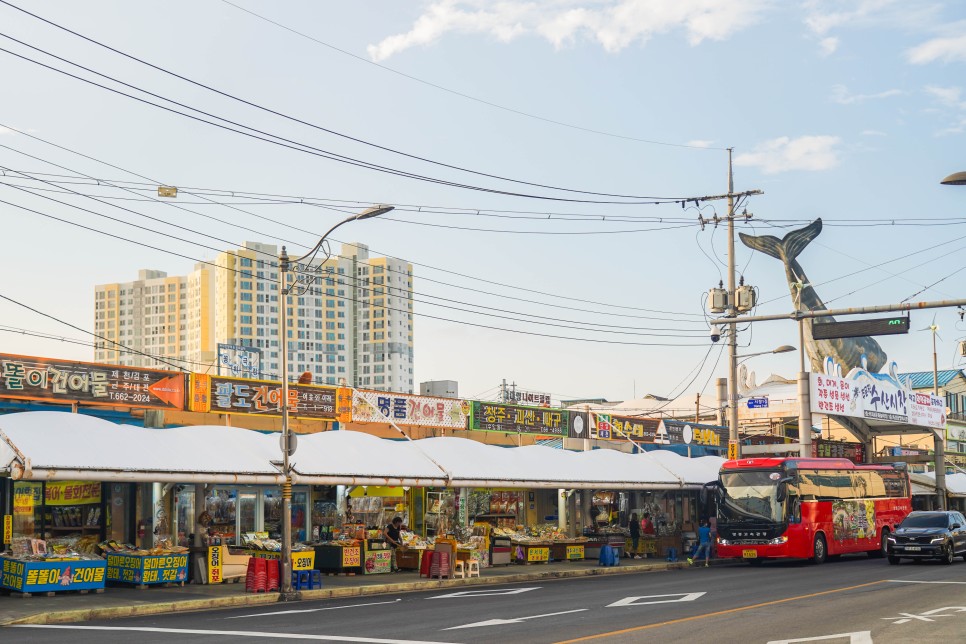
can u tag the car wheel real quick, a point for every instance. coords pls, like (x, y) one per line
(894, 560)
(948, 555)
(883, 546)
(819, 550)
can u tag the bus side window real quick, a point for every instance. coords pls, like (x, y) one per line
(794, 509)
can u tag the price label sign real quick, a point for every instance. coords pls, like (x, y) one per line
(732, 450)
(8, 528)
(351, 557)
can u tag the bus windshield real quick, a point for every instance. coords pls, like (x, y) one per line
(751, 496)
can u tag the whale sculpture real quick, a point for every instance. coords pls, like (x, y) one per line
(848, 353)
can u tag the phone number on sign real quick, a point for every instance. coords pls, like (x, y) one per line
(131, 398)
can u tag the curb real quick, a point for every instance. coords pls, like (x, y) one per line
(237, 601)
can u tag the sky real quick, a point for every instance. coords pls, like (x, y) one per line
(540, 135)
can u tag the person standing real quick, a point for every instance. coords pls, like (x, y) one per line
(647, 527)
(635, 527)
(704, 543)
(392, 535)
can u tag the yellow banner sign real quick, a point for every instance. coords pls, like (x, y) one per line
(215, 558)
(72, 492)
(538, 554)
(8, 528)
(575, 552)
(351, 557)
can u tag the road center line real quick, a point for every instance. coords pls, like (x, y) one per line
(198, 631)
(718, 613)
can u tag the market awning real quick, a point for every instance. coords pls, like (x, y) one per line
(955, 483)
(46, 445)
(64, 446)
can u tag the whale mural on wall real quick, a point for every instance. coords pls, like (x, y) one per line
(848, 353)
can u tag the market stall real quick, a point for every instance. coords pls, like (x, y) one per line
(34, 566)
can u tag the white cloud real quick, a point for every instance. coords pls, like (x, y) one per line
(948, 96)
(614, 24)
(700, 143)
(949, 47)
(784, 154)
(828, 45)
(840, 94)
(873, 133)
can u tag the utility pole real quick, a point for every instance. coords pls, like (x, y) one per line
(732, 313)
(697, 408)
(939, 443)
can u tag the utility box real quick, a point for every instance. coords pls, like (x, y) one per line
(745, 298)
(718, 300)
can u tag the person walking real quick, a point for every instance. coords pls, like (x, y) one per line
(704, 544)
(635, 528)
(392, 535)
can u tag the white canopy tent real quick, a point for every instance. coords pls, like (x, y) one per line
(926, 482)
(65, 446)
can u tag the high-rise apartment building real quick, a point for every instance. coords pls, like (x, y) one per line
(350, 317)
(156, 320)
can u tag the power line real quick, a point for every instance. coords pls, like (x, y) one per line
(468, 96)
(414, 263)
(288, 117)
(424, 315)
(408, 293)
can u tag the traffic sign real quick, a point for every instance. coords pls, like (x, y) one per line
(758, 403)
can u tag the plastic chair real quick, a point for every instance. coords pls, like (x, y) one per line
(256, 579)
(474, 568)
(440, 566)
(459, 569)
(271, 578)
(425, 563)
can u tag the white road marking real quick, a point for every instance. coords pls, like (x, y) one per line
(911, 581)
(858, 637)
(635, 601)
(311, 610)
(486, 593)
(515, 620)
(198, 631)
(927, 616)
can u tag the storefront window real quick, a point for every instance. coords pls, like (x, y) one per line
(220, 506)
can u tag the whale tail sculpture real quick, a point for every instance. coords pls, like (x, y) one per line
(863, 352)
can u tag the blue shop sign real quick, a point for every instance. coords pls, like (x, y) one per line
(147, 569)
(52, 576)
(758, 403)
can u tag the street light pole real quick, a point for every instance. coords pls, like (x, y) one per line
(286, 592)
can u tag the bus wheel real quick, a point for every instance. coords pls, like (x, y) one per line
(894, 560)
(883, 545)
(819, 550)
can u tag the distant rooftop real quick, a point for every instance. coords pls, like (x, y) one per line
(924, 379)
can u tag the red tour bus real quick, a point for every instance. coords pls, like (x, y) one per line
(807, 508)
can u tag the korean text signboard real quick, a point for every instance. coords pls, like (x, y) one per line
(89, 383)
(51, 576)
(239, 361)
(144, 570)
(676, 432)
(876, 397)
(406, 409)
(608, 427)
(498, 417)
(223, 395)
(855, 452)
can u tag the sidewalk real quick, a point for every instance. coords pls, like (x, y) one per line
(122, 601)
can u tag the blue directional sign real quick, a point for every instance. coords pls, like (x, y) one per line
(758, 403)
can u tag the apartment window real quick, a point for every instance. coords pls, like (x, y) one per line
(245, 261)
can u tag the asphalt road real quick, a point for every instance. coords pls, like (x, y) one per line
(852, 599)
